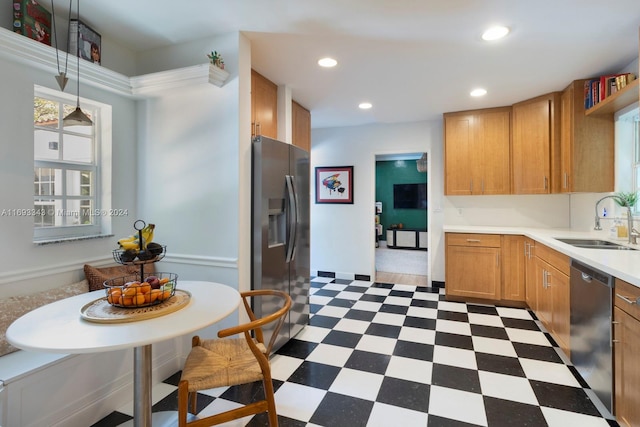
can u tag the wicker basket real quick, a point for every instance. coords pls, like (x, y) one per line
(130, 292)
(139, 257)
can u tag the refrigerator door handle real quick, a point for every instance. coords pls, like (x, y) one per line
(293, 219)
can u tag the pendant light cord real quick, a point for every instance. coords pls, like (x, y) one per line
(78, 46)
(55, 38)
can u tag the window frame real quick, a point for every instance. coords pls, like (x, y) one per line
(100, 168)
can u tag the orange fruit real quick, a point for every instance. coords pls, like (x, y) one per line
(137, 300)
(144, 288)
(154, 294)
(164, 280)
(166, 295)
(130, 291)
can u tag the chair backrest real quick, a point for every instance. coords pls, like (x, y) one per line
(253, 329)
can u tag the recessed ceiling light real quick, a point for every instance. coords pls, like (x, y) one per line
(327, 62)
(365, 105)
(478, 92)
(495, 33)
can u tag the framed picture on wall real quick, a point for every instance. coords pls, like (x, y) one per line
(334, 184)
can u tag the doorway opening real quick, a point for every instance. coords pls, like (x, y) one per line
(401, 216)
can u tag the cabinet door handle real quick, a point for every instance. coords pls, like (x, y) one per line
(628, 300)
(497, 259)
(546, 182)
(473, 240)
(548, 276)
(482, 186)
(566, 180)
(526, 248)
(471, 185)
(259, 130)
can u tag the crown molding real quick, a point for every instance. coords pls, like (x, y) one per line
(17, 48)
(150, 83)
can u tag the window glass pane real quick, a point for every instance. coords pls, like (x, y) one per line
(45, 112)
(46, 145)
(78, 149)
(47, 182)
(45, 210)
(72, 215)
(86, 208)
(79, 183)
(637, 139)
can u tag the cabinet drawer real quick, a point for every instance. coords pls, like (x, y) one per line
(553, 257)
(630, 293)
(463, 239)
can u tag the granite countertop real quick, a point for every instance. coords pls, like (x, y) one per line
(622, 264)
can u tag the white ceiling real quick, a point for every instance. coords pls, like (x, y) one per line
(412, 59)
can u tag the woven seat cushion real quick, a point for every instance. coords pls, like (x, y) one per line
(222, 362)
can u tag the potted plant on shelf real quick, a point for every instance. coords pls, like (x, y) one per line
(216, 59)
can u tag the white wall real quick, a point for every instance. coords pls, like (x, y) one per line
(342, 238)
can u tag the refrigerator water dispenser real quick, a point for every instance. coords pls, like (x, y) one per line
(277, 223)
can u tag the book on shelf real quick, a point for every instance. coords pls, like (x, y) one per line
(598, 89)
(32, 20)
(84, 41)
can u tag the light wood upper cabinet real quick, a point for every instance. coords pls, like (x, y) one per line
(477, 151)
(587, 145)
(535, 144)
(301, 126)
(264, 106)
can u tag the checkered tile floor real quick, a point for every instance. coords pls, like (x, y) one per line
(386, 355)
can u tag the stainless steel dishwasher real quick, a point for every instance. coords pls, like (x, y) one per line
(591, 349)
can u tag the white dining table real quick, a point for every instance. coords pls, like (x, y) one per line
(59, 328)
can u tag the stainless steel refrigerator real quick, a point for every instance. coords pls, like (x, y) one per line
(280, 235)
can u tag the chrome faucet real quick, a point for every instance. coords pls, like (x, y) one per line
(632, 232)
(597, 225)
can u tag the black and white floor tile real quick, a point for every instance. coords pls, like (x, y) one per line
(386, 355)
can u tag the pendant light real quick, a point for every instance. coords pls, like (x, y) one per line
(77, 117)
(61, 78)
(421, 163)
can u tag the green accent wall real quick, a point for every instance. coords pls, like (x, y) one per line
(398, 172)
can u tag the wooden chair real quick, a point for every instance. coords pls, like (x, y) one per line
(233, 361)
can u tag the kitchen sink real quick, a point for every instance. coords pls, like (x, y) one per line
(595, 244)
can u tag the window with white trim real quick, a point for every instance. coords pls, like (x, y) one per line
(636, 159)
(67, 169)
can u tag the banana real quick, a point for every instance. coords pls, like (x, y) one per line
(133, 241)
(147, 234)
(127, 245)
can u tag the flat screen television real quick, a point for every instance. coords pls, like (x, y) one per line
(410, 196)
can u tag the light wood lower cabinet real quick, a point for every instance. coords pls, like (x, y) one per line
(552, 292)
(472, 265)
(486, 266)
(513, 268)
(626, 348)
(531, 290)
